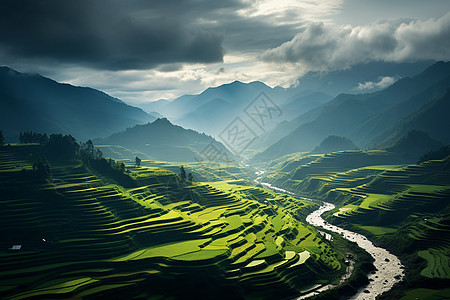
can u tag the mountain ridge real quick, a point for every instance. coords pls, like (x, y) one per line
(344, 113)
(164, 141)
(31, 102)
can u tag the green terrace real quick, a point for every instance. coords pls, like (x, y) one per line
(203, 170)
(81, 234)
(405, 206)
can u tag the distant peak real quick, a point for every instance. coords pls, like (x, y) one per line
(234, 83)
(237, 82)
(162, 121)
(5, 69)
(11, 72)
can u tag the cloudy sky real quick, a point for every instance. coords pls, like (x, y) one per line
(142, 51)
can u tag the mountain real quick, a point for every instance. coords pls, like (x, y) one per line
(211, 118)
(334, 143)
(301, 104)
(162, 140)
(415, 144)
(215, 108)
(375, 130)
(271, 136)
(364, 77)
(431, 118)
(199, 112)
(153, 105)
(30, 102)
(171, 109)
(346, 112)
(235, 92)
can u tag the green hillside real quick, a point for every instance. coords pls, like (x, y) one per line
(417, 103)
(33, 102)
(334, 143)
(431, 118)
(414, 144)
(405, 208)
(82, 234)
(164, 141)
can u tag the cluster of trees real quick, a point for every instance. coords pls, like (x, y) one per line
(62, 146)
(41, 168)
(183, 175)
(33, 137)
(113, 169)
(2, 139)
(67, 147)
(116, 165)
(88, 151)
(57, 145)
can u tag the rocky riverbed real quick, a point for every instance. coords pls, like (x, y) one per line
(389, 269)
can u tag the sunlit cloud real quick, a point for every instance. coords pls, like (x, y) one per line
(383, 82)
(321, 47)
(130, 51)
(291, 11)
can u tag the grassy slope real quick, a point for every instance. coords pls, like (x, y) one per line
(202, 170)
(83, 235)
(407, 208)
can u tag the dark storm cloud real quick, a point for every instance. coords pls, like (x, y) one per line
(113, 35)
(323, 47)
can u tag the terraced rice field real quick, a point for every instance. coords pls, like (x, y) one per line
(437, 264)
(82, 236)
(412, 201)
(202, 171)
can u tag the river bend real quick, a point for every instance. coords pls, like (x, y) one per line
(389, 269)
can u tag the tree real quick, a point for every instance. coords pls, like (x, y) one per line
(88, 151)
(138, 162)
(33, 137)
(62, 146)
(190, 177)
(99, 154)
(42, 168)
(182, 173)
(122, 167)
(2, 139)
(90, 148)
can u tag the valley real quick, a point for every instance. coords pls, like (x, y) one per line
(82, 234)
(316, 196)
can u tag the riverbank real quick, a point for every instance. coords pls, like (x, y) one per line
(389, 269)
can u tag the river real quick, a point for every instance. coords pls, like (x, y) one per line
(389, 269)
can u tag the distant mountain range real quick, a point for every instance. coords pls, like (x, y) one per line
(378, 119)
(216, 107)
(414, 144)
(161, 140)
(361, 78)
(30, 102)
(307, 113)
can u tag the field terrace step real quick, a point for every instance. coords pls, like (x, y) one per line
(431, 234)
(209, 196)
(102, 224)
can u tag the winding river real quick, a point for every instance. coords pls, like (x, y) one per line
(389, 269)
